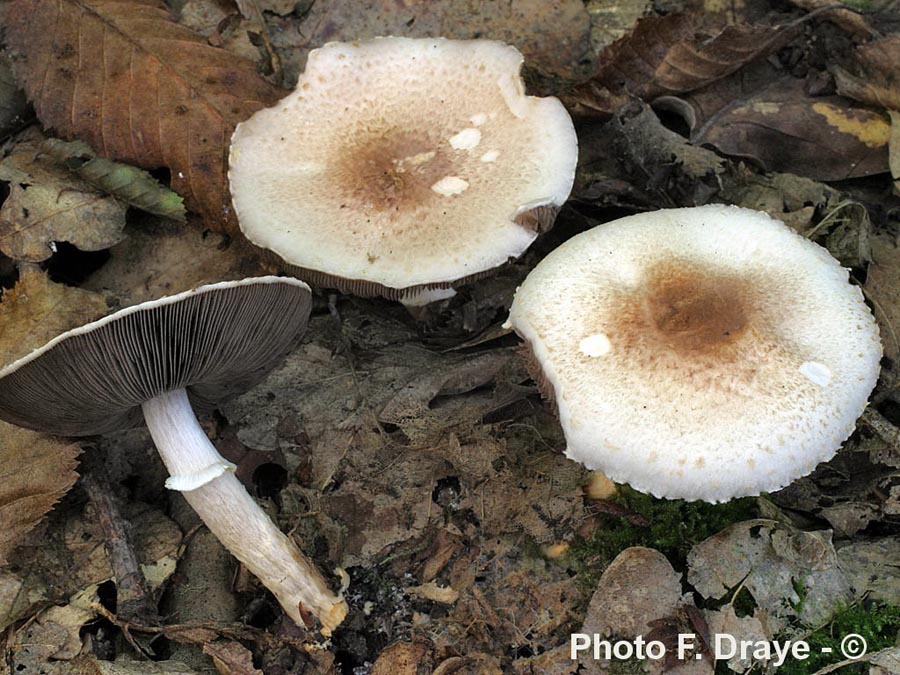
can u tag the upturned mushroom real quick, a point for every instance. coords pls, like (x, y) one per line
(403, 167)
(155, 360)
(703, 353)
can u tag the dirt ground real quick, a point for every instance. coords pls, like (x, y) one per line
(414, 458)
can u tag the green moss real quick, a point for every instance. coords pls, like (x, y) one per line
(671, 526)
(878, 624)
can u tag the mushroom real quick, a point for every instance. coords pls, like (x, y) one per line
(158, 358)
(699, 353)
(402, 167)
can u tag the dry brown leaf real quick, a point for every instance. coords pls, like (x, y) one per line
(37, 310)
(445, 595)
(882, 287)
(137, 87)
(161, 258)
(403, 658)
(784, 129)
(47, 204)
(35, 472)
(876, 79)
(14, 106)
(231, 658)
(894, 149)
(553, 35)
(639, 587)
(772, 561)
(670, 55)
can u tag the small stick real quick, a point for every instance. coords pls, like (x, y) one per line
(134, 601)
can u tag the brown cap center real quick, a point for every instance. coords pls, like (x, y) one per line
(389, 169)
(692, 309)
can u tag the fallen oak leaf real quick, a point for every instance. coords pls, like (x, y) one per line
(129, 184)
(137, 87)
(47, 204)
(36, 470)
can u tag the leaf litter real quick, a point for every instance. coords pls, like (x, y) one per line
(417, 457)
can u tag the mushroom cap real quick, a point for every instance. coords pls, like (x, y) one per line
(216, 341)
(403, 162)
(700, 353)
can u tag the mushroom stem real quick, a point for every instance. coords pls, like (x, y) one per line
(232, 515)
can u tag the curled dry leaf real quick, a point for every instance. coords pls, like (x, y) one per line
(35, 472)
(874, 79)
(669, 55)
(127, 183)
(47, 203)
(137, 87)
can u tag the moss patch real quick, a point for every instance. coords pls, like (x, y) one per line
(671, 526)
(878, 624)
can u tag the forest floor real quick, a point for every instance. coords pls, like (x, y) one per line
(416, 455)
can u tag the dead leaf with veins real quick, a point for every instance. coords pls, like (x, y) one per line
(137, 87)
(36, 310)
(671, 54)
(47, 204)
(36, 470)
(772, 561)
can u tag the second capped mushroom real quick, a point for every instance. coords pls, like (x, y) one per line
(400, 167)
(155, 360)
(702, 353)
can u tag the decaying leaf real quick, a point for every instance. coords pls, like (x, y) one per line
(14, 106)
(159, 258)
(894, 149)
(553, 35)
(35, 471)
(775, 564)
(875, 79)
(404, 658)
(882, 287)
(124, 665)
(126, 183)
(37, 310)
(137, 87)
(747, 629)
(47, 203)
(780, 127)
(434, 592)
(871, 566)
(670, 55)
(639, 587)
(231, 658)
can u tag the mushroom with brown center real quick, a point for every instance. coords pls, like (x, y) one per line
(400, 167)
(157, 359)
(702, 353)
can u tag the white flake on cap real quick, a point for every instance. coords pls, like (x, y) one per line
(330, 178)
(740, 355)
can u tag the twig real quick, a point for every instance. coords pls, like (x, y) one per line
(134, 601)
